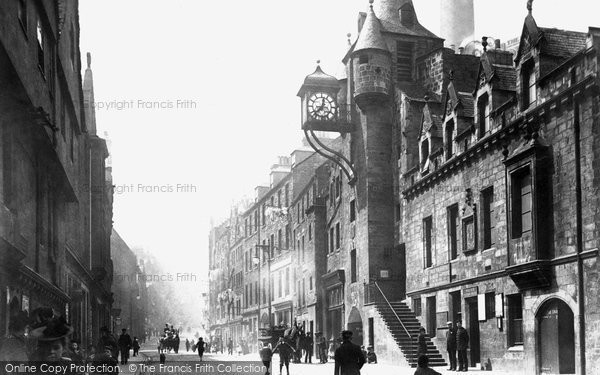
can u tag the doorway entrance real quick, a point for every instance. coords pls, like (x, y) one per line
(355, 325)
(473, 329)
(556, 338)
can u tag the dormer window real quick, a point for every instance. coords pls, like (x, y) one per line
(425, 155)
(483, 111)
(528, 84)
(407, 15)
(449, 139)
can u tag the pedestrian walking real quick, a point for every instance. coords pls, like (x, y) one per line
(451, 346)
(285, 351)
(200, 348)
(462, 344)
(187, 345)
(136, 346)
(322, 347)
(308, 347)
(230, 346)
(124, 345)
(266, 355)
(349, 359)
(423, 367)
(422, 343)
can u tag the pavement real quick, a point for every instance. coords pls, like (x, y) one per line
(148, 355)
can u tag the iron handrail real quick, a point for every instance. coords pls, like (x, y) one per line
(396, 315)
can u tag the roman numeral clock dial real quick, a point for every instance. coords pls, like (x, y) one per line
(321, 106)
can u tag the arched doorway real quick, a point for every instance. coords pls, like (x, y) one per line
(264, 320)
(355, 325)
(556, 338)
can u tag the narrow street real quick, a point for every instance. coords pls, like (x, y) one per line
(150, 356)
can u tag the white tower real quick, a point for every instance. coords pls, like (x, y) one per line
(457, 21)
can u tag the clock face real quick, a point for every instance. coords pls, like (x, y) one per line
(321, 106)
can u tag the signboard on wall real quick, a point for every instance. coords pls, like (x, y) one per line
(499, 305)
(481, 307)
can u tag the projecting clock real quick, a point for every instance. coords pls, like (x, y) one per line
(321, 106)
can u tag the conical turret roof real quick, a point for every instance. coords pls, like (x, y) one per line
(388, 12)
(370, 36)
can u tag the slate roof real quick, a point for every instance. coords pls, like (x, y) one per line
(413, 90)
(388, 14)
(562, 43)
(370, 35)
(468, 104)
(505, 78)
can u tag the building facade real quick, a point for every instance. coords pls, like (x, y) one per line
(55, 196)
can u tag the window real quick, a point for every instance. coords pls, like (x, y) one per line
(490, 305)
(427, 246)
(279, 199)
(352, 210)
(279, 241)
(483, 111)
(529, 84)
(287, 281)
(487, 213)
(298, 212)
(407, 15)
(424, 153)
(338, 186)
(417, 309)
(287, 236)
(246, 303)
(337, 235)
(303, 292)
(23, 15)
(453, 230)
(353, 266)
(303, 248)
(363, 59)
(331, 238)
(264, 214)
(271, 247)
(250, 294)
(521, 202)
(40, 46)
(257, 291)
(515, 320)
(279, 284)
(310, 283)
(449, 139)
(310, 232)
(398, 212)
(287, 195)
(404, 60)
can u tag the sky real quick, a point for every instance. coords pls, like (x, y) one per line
(198, 98)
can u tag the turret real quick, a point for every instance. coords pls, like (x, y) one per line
(372, 63)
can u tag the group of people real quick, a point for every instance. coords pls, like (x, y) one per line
(457, 342)
(42, 336)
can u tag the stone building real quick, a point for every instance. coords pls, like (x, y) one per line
(55, 198)
(128, 289)
(463, 177)
(254, 260)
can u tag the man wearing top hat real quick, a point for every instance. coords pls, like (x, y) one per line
(349, 359)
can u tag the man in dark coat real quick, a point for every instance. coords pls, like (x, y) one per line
(451, 346)
(124, 345)
(308, 347)
(285, 351)
(422, 343)
(349, 359)
(423, 367)
(462, 343)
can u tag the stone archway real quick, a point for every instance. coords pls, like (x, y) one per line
(556, 338)
(264, 320)
(355, 325)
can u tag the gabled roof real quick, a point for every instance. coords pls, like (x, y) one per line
(432, 120)
(503, 77)
(552, 42)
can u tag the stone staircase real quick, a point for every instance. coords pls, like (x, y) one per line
(407, 345)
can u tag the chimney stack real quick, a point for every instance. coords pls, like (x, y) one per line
(457, 21)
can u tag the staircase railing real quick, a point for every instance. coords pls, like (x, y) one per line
(369, 299)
